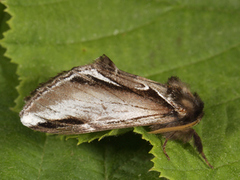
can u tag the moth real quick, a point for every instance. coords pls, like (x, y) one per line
(99, 97)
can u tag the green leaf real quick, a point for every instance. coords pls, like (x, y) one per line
(89, 137)
(195, 40)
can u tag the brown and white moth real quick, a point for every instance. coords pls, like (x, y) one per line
(99, 97)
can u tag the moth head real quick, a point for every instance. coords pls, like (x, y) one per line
(191, 103)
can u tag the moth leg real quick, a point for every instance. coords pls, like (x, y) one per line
(199, 146)
(165, 143)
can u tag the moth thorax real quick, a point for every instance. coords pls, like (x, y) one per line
(187, 104)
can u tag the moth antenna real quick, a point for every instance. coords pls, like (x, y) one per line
(198, 145)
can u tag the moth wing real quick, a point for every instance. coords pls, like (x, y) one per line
(85, 99)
